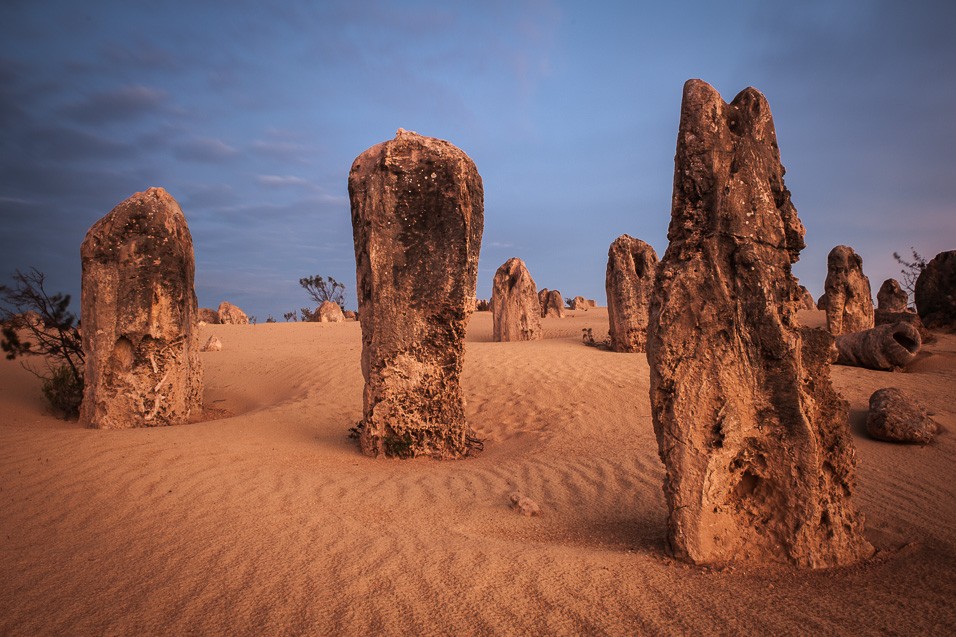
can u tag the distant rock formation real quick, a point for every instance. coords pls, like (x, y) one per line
(229, 314)
(208, 316)
(629, 280)
(552, 303)
(329, 312)
(212, 345)
(884, 347)
(755, 441)
(515, 309)
(935, 291)
(580, 303)
(140, 317)
(805, 299)
(849, 300)
(891, 297)
(417, 217)
(896, 417)
(822, 302)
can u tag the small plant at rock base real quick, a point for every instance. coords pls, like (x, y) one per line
(911, 270)
(309, 316)
(321, 290)
(482, 306)
(292, 316)
(270, 319)
(64, 391)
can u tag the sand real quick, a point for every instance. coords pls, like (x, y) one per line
(267, 520)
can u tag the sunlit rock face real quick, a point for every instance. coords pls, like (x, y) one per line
(515, 308)
(849, 300)
(552, 303)
(140, 317)
(417, 218)
(629, 278)
(755, 442)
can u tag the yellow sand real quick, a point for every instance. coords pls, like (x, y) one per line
(269, 522)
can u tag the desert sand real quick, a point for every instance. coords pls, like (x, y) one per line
(268, 521)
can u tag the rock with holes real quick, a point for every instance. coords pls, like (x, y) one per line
(213, 344)
(329, 312)
(208, 316)
(552, 303)
(755, 441)
(417, 217)
(897, 417)
(140, 317)
(935, 292)
(629, 279)
(849, 300)
(515, 308)
(230, 314)
(886, 347)
(891, 297)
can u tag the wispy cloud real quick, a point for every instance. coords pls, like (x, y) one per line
(124, 103)
(204, 149)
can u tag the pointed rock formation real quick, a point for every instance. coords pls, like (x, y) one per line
(230, 314)
(417, 218)
(935, 291)
(552, 303)
(140, 317)
(515, 309)
(891, 297)
(629, 280)
(849, 300)
(755, 442)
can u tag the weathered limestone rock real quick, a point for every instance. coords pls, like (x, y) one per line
(629, 279)
(805, 299)
(580, 303)
(935, 291)
(417, 218)
(883, 347)
(891, 297)
(349, 315)
(212, 345)
(895, 417)
(822, 302)
(755, 441)
(524, 505)
(229, 314)
(329, 312)
(208, 316)
(140, 318)
(849, 301)
(552, 303)
(515, 309)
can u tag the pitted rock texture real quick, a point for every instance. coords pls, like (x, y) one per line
(230, 314)
(891, 297)
(935, 291)
(140, 317)
(417, 218)
(552, 303)
(897, 417)
(755, 442)
(515, 309)
(208, 316)
(580, 303)
(213, 344)
(805, 299)
(849, 300)
(886, 347)
(629, 279)
(330, 312)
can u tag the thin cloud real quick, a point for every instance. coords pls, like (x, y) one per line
(204, 149)
(124, 103)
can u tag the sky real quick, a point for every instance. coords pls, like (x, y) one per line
(250, 114)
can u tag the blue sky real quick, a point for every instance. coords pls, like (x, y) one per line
(251, 115)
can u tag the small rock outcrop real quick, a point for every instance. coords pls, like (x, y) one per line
(896, 417)
(822, 302)
(891, 297)
(524, 505)
(140, 317)
(329, 312)
(884, 347)
(515, 309)
(417, 218)
(935, 291)
(208, 316)
(755, 441)
(580, 303)
(629, 279)
(212, 345)
(805, 299)
(849, 300)
(229, 314)
(552, 303)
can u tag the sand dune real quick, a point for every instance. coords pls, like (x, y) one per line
(268, 521)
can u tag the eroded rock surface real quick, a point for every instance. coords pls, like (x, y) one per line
(885, 347)
(417, 217)
(580, 303)
(805, 299)
(629, 279)
(849, 303)
(230, 314)
(897, 417)
(140, 317)
(515, 308)
(935, 291)
(755, 442)
(891, 297)
(330, 312)
(208, 316)
(552, 303)
(213, 344)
